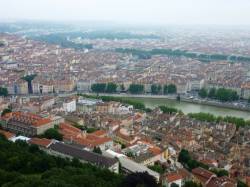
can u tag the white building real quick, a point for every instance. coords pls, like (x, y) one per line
(69, 106)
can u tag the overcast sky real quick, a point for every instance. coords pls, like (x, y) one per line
(220, 12)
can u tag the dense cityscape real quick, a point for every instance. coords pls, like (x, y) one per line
(103, 105)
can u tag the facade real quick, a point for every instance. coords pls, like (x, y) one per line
(83, 86)
(69, 106)
(25, 123)
(64, 86)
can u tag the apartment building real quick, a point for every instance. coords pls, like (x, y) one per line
(25, 123)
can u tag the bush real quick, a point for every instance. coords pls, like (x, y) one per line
(52, 134)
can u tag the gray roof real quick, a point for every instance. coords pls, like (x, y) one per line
(135, 167)
(84, 155)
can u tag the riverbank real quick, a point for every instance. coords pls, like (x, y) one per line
(183, 99)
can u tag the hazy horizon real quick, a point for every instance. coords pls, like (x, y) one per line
(156, 12)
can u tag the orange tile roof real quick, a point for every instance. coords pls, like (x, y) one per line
(99, 133)
(155, 150)
(29, 118)
(202, 174)
(173, 177)
(74, 134)
(40, 141)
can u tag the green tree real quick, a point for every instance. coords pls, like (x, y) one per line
(169, 89)
(156, 89)
(97, 150)
(223, 94)
(184, 156)
(130, 154)
(241, 184)
(203, 116)
(203, 93)
(220, 172)
(52, 134)
(29, 79)
(174, 185)
(212, 93)
(172, 89)
(3, 91)
(158, 168)
(178, 97)
(139, 180)
(136, 88)
(191, 184)
(111, 87)
(165, 89)
(187, 161)
(122, 87)
(98, 87)
(5, 111)
(166, 109)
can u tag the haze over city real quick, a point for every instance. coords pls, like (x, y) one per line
(163, 12)
(125, 93)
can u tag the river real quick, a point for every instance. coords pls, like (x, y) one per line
(193, 108)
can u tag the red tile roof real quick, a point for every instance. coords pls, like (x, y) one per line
(27, 118)
(202, 174)
(99, 133)
(43, 142)
(74, 134)
(173, 177)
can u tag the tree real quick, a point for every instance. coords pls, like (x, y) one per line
(136, 88)
(165, 89)
(212, 93)
(248, 100)
(98, 87)
(111, 87)
(189, 163)
(174, 185)
(5, 111)
(158, 168)
(130, 154)
(184, 156)
(139, 179)
(3, 92)
(53, 134)
(156, 89)
(191, 184)
(25, 165)
(172, 89)
(29, 79)
(97, 150)
(241, 184)
(220, 172)
(178, 97)
(122, 87)
(166, 109)
(169, 89)
(203, 93)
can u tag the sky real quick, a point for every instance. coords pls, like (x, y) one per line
(163, 12)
